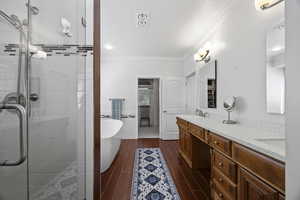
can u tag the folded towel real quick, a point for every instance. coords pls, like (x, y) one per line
(117, 108)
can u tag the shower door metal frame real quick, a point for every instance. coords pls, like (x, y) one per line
(97, 99)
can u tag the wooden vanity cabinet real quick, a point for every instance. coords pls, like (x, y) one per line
(251, 188)
(194, 151)
(225, 165)
(281, 197)
(237, 172)
(223, 182)
(267, 169)
(220, 143)
(185, 142)
(219, 193)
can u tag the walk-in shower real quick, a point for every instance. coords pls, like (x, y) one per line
(42, 101)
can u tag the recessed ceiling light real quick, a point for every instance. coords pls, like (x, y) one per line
(108, 47)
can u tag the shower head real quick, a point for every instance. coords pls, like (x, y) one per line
(12, 20)
(17, 21)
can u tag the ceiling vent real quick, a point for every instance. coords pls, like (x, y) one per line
(142, 18)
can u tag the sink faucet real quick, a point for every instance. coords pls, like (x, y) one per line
(200, 113)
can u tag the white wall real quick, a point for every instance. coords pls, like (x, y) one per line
(293, 99)
(190, 94)
(119, 80)
(239, 45)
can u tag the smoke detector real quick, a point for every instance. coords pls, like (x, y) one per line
(142, 18)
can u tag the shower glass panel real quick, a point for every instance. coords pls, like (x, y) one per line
(13, 162)
(42, 100)
(57, 116)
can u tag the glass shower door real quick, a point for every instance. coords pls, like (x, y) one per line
(42, 100)
(56, 162)
(13, 115)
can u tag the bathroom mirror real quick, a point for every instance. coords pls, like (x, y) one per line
(275, 69)
(207, 82)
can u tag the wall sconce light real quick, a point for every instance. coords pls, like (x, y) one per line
(266, 4)
(202, 56)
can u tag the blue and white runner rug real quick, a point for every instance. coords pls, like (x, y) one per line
(151, 177)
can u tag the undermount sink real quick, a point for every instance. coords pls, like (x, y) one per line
(276, 142)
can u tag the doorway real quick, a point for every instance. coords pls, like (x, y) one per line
(148, 107)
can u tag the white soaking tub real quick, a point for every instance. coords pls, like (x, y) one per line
(110, 144)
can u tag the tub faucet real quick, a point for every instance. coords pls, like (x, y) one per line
(200, 113)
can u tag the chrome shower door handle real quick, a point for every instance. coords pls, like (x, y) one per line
(21, 112)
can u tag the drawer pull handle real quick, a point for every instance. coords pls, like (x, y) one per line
(216, 142)
(220, 195)
(220, 180)
(220, 164)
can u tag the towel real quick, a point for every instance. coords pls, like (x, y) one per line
(117, 107)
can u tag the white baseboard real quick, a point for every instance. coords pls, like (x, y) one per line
(174, 136)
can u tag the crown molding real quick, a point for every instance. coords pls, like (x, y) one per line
(142, 58)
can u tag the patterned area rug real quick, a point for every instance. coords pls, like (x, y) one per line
(151, 177)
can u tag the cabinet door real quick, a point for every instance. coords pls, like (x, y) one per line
(189, 145)
(181, 139)
(251, 188)
(186, 144)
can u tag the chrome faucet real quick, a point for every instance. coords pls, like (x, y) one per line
(200, 113)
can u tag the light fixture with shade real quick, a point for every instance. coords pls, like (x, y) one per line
(202, 55)
(266, 4)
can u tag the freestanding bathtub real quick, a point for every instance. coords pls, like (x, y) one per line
(110, 143)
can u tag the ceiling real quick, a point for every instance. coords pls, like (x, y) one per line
(175, 26)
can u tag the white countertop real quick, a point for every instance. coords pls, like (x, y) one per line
(242, 135)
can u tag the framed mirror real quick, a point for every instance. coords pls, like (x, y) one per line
(207, 83)
(275, 69)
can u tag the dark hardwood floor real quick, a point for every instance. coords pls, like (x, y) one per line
(116, 182)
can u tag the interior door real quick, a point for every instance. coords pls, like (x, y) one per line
(13, 115)
(173, 104)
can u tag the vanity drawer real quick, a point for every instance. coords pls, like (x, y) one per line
(225, 165)
(197, 132)
(269, 170)
(221, 144)
(224, 183)
(219, 194)
(182, 123)
(281, 197)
